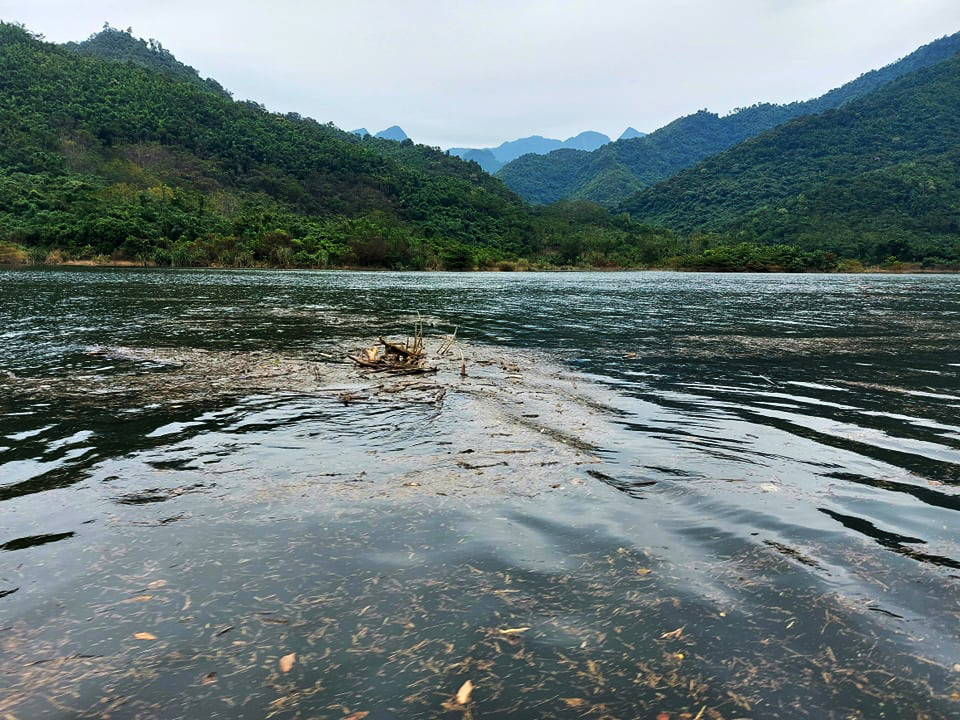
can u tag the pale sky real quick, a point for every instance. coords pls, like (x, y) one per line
(477, 72)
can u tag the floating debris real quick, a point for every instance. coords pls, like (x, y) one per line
(408, 358)
(286, 662)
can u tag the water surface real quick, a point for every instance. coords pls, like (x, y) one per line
(754, 516)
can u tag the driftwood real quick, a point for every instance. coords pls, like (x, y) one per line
(408, 358)
(401, 350)
(447, 344)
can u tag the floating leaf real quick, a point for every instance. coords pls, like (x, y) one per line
(513, 631)
(672, 635)
(575, 702)
(287, 661)
(210, 678)
(463, 694)
(644, 571)
(358, 715)
(144, 636)
(140, 598)
(156, 584)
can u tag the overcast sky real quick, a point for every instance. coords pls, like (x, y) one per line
(476, 72)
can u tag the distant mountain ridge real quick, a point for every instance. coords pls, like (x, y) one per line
(484, 158)
(614, 172)
(631, 133)
(394, 132)
(492, 159)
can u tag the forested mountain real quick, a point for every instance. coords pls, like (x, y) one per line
(120, 45)
(878, 177)
(616, 171)
(134, 157)
(492, 159)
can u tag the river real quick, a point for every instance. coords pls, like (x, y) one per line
(652, 495)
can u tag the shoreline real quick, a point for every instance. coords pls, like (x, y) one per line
(905, 269)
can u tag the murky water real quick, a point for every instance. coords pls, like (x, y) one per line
(695, 496)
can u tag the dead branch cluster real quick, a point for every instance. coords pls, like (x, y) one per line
(408, 358)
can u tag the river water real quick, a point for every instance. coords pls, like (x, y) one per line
(673, 496)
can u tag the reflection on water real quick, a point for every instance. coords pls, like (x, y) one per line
(759, 522)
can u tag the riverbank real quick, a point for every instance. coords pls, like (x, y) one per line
(741, 257)
(853, 267)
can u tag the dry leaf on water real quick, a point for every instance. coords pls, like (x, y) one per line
(144, 636)
(514, 631)
(287, 661)
(673, 634)
(358, 715)
(463, 694)
(209, 678)
(575, 702)
(156, 584)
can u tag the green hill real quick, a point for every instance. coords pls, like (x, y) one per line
(879, 177)
(120, 45)
(616, 171)
(112, 147)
